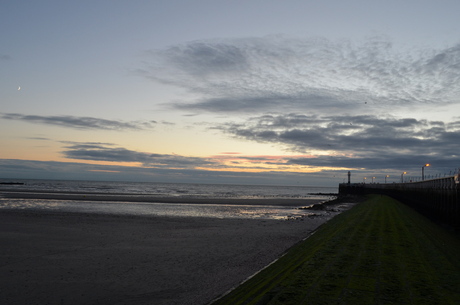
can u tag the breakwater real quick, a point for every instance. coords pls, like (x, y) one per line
(438, 198)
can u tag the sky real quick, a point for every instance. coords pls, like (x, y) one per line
(243, 92)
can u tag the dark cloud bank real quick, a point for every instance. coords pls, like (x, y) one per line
(365, 141)
(104, 152)
(19, 169)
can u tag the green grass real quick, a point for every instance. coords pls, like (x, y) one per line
(378, 252)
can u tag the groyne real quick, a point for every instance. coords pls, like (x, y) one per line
(438, 199)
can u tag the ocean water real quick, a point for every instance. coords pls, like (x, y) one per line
(205, 191)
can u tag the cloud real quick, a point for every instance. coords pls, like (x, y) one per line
(364, 141)
(273, 72)
(227, 161)
(204, 59)
(28, 169)
(78, 122)
(107, 152)
(39, 138)
(270, 102)
(229, 167)
(412, 164)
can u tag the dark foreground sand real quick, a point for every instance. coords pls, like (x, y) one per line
(57, 258)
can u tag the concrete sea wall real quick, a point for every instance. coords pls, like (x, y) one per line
(439, 199)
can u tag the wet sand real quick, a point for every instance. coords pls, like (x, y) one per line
(151, 198)
(76, 258)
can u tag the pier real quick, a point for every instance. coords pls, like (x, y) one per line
(436, 198)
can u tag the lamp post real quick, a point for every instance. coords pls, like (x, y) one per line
(386, 176)
(373, 179)
(364, 180)
(423, 170)
(402, 176)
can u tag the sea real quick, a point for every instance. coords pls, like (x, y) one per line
(204, 191)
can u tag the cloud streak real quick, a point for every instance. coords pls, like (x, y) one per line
(74, 122)
(107, 152)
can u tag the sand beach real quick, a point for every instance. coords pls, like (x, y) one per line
(51, 257)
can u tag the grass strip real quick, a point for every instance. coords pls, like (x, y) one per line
(378, 252)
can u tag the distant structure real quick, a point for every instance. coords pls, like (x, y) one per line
(349, 176)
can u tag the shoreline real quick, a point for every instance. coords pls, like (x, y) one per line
(8, 194)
